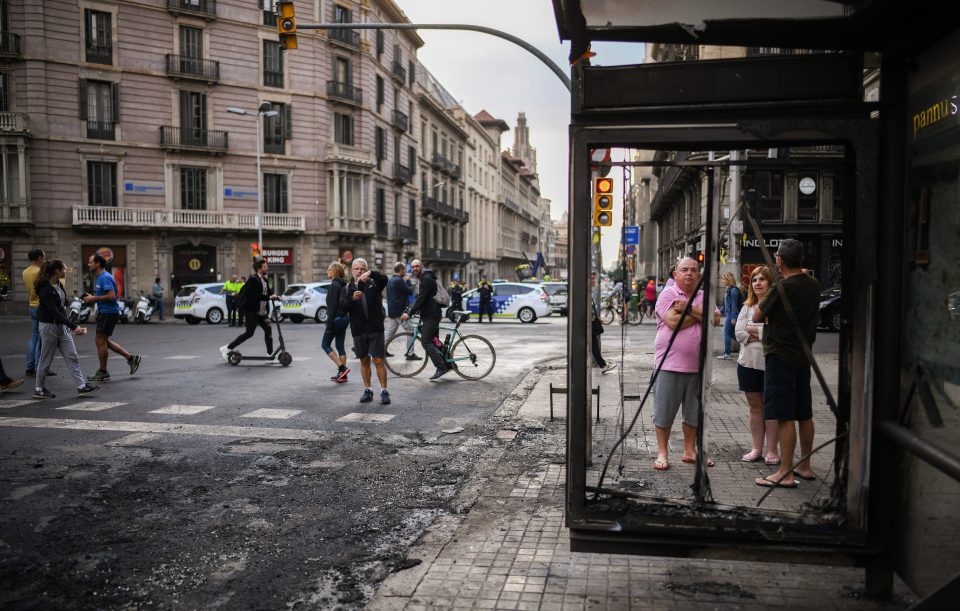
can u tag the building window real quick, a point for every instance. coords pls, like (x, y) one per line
(770, 185)
(342, 14)
(191, 43)
(411, 212)
(379, 44)
(351, 196)
(381, 205)
(99, 107)
(275, 193)
(193, 189)
(808, 199)
(10, 175)
(343, 128)
(381, 145)
(272, 64)
(269, 17)
(5, 92)
(412, 69)
(379, 94)
(412, 159)
(193, 118)
(277, 130)
(101, 183)
(98, 37)
(342, 73)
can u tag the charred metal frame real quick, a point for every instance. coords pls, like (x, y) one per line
(752, 116)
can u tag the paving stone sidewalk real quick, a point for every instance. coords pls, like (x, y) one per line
(511, 551)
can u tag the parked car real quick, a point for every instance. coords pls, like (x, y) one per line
(557, 292)
(513, 299)
(196, 302)
(305, 300)
(830, 308)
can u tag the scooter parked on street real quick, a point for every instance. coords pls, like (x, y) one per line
(79, 311)
(144, 309)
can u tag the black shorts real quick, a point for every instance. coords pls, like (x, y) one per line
(786, 390)
(369, 344)
(106, 323)
(751, 380)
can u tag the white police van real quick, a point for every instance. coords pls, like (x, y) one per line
(512, 300)
(196, 302)
(305, 300)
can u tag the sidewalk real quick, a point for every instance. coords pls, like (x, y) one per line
(511, 551)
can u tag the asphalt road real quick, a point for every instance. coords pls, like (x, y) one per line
(174, 488)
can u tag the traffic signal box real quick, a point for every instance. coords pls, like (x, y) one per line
(254, 250)
(602, 202)
(287, 25)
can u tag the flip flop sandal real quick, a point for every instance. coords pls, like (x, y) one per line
(751, 456)
(808, 478)
(772, 460)
(766, 482)
(693, 461)
(661, 465)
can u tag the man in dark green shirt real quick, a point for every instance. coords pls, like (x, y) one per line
(786, 381)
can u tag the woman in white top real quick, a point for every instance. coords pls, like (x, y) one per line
(750, 369)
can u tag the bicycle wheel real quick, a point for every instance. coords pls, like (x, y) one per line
(473, 357)
(403, 347)
(633, 317)
(606, 316)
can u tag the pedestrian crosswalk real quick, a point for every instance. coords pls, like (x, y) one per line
(89, 406)
(182, 410)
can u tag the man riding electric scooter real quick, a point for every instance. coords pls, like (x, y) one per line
(253, 302)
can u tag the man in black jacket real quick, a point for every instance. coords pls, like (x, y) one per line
(252, 304)
(430, 314)
(362, 299)
(485, 292)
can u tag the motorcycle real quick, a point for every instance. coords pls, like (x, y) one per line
(125, 306)
(144, 309)
(79, 311)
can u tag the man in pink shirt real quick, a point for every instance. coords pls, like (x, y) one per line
(679, 378)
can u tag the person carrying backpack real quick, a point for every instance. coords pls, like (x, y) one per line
(430, 309)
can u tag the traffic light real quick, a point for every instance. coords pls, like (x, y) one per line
(287, 25)
(700, 257)
(254, 250)
(602, 202)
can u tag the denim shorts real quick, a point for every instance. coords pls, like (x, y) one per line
(786, 390)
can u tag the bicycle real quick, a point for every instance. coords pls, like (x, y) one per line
(613, 309)
(472, 357)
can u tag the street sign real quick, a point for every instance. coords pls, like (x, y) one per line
(631, 249)
(631, 234)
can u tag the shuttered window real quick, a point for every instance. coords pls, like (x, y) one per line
(101, 183)
(275, 193)
(193, 188)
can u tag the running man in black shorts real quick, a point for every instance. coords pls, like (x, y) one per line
(108, 313)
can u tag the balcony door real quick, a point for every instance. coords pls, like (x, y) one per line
(191, 50)
(193, 118)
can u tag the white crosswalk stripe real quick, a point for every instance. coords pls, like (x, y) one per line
(8, 403)
(90, 406)
(369, 418)
(182, 410)
(282, 414)
(181, 357)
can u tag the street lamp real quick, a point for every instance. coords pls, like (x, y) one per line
(265, 111)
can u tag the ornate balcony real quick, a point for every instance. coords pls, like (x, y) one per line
(15, 213)
(445, 165)
(351, 226)
(163, 218)
(344, 92)
(401, 174)
(509, 203)
(9, 45)
(398, 71)
(348, 38)
(383, 229)
(14, 122)
(180, 66)
(101, 130)
(400, 120)
(96, 54)
(446, 256)
(204, 8)
(190, 139)
(439, 208)
(403, 232)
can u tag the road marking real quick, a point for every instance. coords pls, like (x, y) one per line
(272, 413)
(137, 439)
(370, 418)
(163, 427)
(23, 491)
(298, 359)
(181, 357)
(183, 410)
(90, 406)
(8, 403)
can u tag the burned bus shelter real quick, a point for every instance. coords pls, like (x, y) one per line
(862, 96)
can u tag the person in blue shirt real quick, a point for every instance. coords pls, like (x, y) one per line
(732, 303)
(108, 313)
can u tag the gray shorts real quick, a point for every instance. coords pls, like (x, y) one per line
(671, 389)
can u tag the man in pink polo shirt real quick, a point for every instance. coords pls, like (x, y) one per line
(679, 378)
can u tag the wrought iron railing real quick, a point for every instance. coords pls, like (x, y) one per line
(9, 45)
(101, 130)
(344, 91)
(197, 67)
(442, 254)
(401, 173)
(405, 232)
(432, 205)
(96, 54)
(193, 138)
(398, 71)
(207, 8)
(351, 38)
(400, 120)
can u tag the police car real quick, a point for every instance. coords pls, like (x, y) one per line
(196, 302)
(305, 300)
(512, 299)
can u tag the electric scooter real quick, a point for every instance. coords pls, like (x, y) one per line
(280, 354)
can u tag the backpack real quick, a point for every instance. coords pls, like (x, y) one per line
(442, 296)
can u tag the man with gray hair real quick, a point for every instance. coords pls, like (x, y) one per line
(361, 299)
(786, 379)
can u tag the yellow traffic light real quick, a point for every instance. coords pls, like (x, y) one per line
(287, 25)
(602, 202)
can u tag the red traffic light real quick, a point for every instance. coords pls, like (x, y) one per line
(700, 256)
(603, 185)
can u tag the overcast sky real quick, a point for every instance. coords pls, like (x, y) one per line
(487, 73)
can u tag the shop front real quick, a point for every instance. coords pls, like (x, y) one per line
(280, 263)
(116, 258)
(193, 265)
(822, 252)
(6, 271)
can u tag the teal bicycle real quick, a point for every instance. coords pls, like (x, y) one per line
(472, 357)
